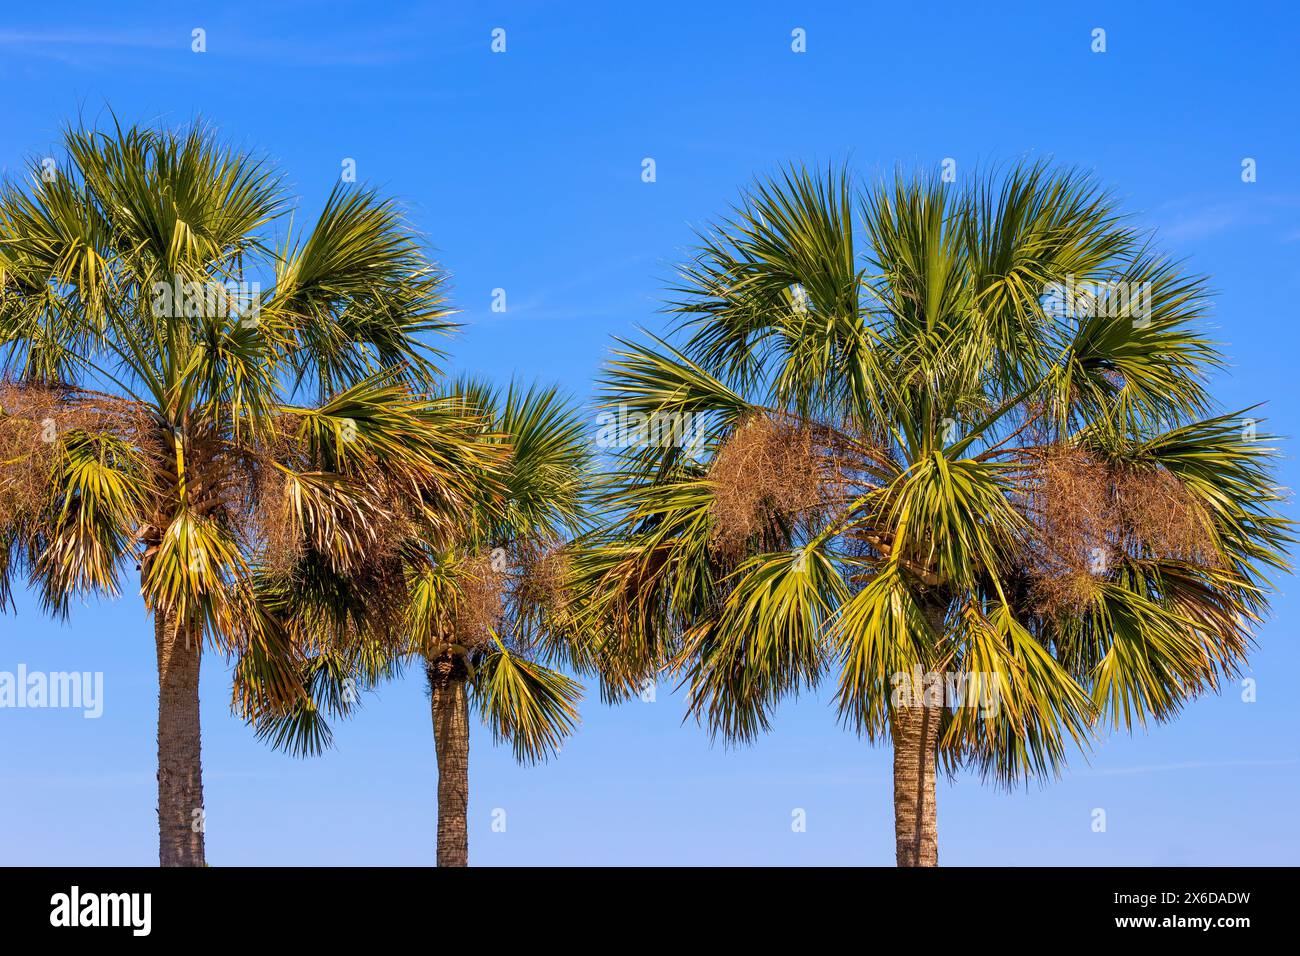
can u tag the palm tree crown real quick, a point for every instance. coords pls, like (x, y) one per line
(483, 610)
(967, 442)
(187, 395)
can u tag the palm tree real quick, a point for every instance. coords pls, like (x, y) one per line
(158, 409)
(482, 615)
(962, 456)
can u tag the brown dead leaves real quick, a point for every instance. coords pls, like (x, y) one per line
(1086, 513)
(770, 475)
(34, 419)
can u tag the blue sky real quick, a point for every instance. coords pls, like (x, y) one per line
(523, 170)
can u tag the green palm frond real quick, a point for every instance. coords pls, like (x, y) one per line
(881, 631)
(100, 490)
(913, 228)
(1024, 232)
(1152, 660)
(186, 200)
(428, 446)
(293, 433)
(779, 279)
(1018, 708)
(662, 379)
(332, 683)
(943, 349)
(358, 296)
(953, 520)
(549, 456)
(546, 475)
(768, 640)
(525, 703)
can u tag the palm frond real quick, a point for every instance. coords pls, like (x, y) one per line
(525, 703)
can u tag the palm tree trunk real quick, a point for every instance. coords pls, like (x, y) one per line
(915, 732)
(916, 828)
(180, 769)
(450, 704)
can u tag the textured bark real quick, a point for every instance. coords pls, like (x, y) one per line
(449, 701)
(180, 769)
(916, 828)
(915, 733)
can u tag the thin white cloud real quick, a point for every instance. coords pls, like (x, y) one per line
(74, 46)
(1191, 765)
(108, 38)
(1189, 220)
(1204, 224)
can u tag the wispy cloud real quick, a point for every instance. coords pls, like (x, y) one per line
(77, 47)
(82, 48)
(1206, 223)
(108, 38)
(542, 304)
(1191, 220)
(1191, 765)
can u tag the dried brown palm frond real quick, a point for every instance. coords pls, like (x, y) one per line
(26, 463)
(543, 577)
(1067, 497)
(1085, 513)
(769, 475)
(1065, 590)
(1072, 522)
(267, 504)
(1160, 516)
(479, 602)
(35, 419)
(282, 543)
